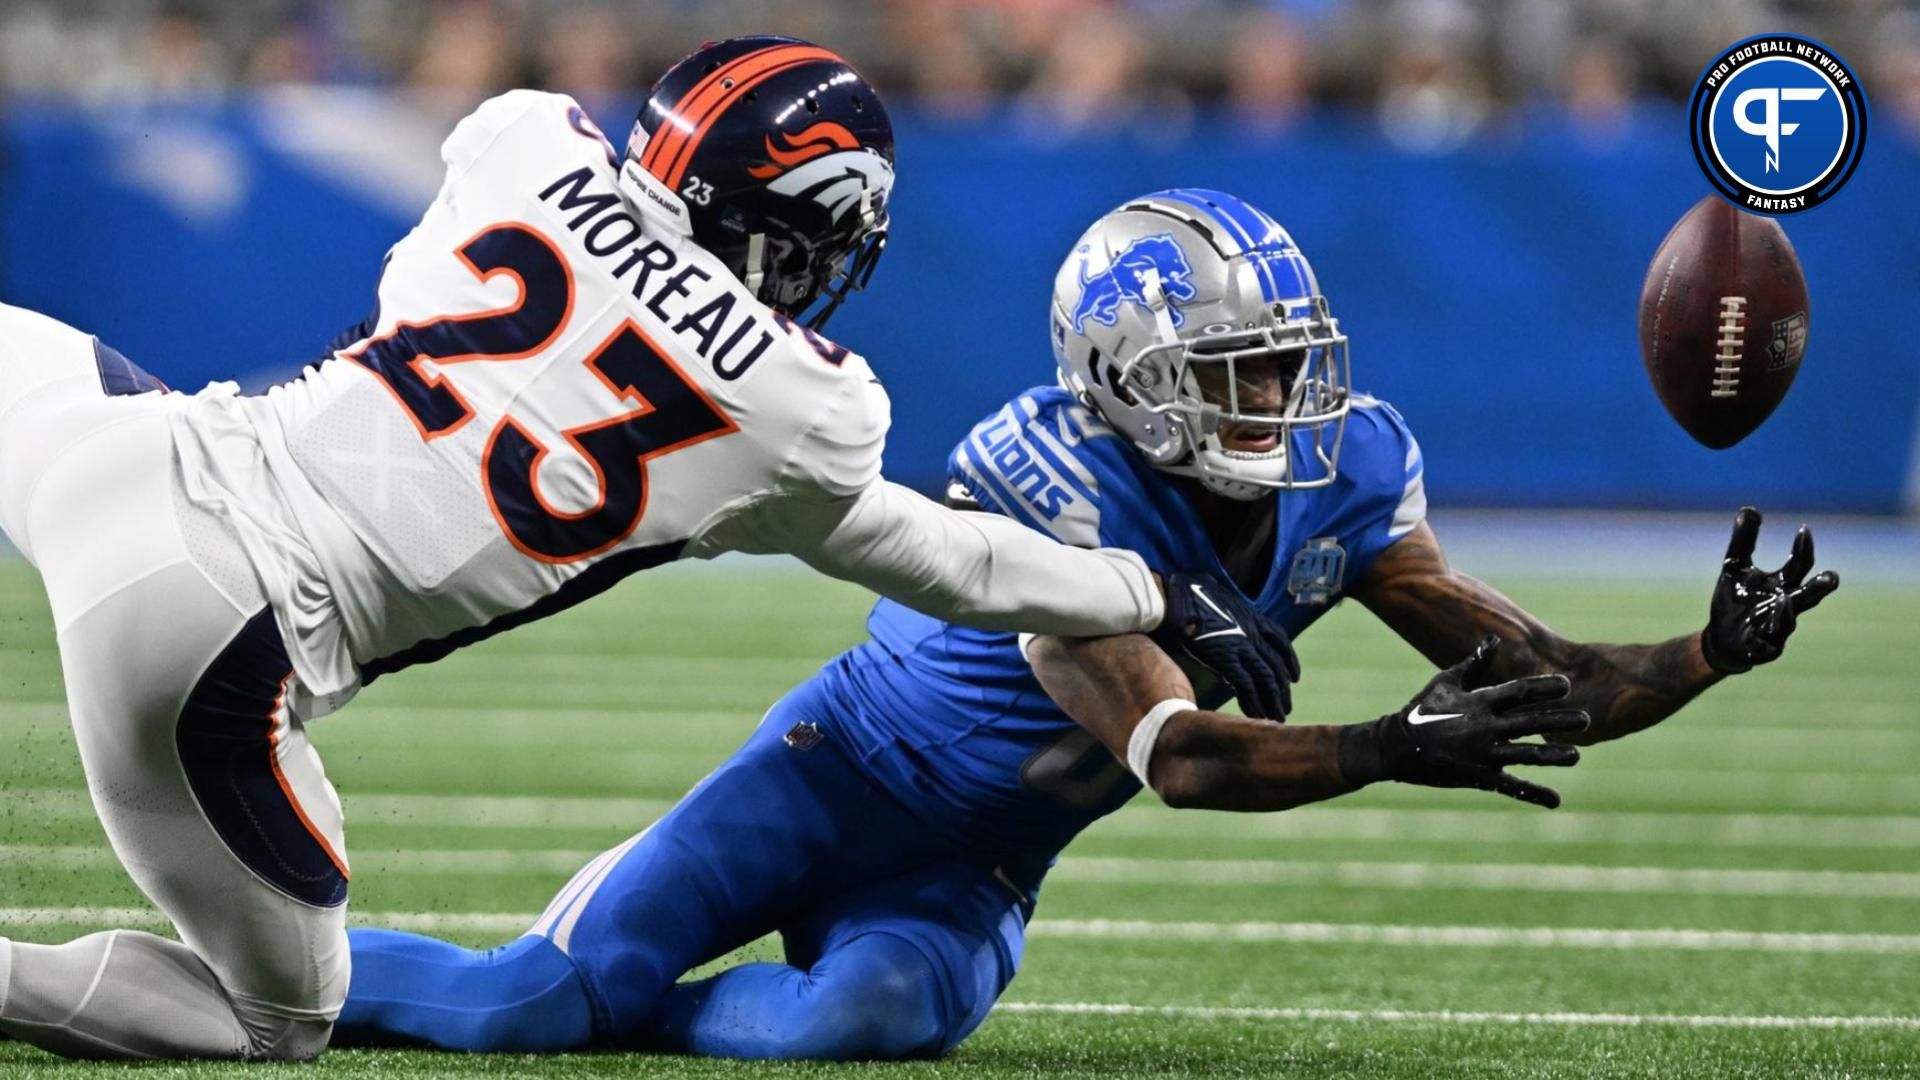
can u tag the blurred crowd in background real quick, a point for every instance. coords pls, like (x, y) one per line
(1435, 72)
(1484, 179)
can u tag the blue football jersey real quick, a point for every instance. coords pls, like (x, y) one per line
(953, 721)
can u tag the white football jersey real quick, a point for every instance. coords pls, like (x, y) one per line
(559, 388)
(554, 391)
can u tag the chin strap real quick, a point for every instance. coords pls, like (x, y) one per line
(756, 264)
(1163, 332)
(1158, 304)
(1207, 423)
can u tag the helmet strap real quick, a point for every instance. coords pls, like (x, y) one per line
(756, 263)
(1158, 304)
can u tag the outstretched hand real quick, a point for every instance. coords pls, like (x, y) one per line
(1460, 732)
(1754, 611)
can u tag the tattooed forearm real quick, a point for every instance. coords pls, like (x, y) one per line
(1217, 761)
(1442, 613)
(1106, 684)
(1203, 759)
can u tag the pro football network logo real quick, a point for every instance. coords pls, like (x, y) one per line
(1778, 123)
(1125, 281)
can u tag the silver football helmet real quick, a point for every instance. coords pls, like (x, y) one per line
(1191, 323)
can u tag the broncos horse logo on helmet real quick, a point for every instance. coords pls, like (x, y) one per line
(1125, 279)
(778, 156)
(824, 137)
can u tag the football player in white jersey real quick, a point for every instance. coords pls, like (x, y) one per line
(580, 365)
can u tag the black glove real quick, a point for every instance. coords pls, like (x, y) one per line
(1754, 612)
(1452, 735)
(1211, 624)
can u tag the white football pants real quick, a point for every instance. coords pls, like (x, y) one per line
(210, 793)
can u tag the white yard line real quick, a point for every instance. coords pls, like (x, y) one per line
(505, 923)
(1423, 826)
(1520, 827)
(484, 862)
(1201, 873)
(433, 811)
(1474, 937)
(1503, 877)
(1743, 785)
(1415, 1016)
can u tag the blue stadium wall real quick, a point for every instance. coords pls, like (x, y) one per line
(1490, 292)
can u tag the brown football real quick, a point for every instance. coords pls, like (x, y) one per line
(1723, 321)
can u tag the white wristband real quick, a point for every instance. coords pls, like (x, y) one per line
(1147, 733)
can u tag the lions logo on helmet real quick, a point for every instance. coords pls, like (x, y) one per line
(1205, 342)
(1125, 281)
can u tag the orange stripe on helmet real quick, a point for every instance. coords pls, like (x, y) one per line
(679, 108)
(671, 165)
(817, 140)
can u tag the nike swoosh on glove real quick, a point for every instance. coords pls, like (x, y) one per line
(1210, 623)
(1451, 735)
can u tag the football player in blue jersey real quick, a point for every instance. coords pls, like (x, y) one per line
(893, 818)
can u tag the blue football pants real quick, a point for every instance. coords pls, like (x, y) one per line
(896, 943)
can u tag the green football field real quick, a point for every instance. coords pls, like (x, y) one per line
(1737, 893)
